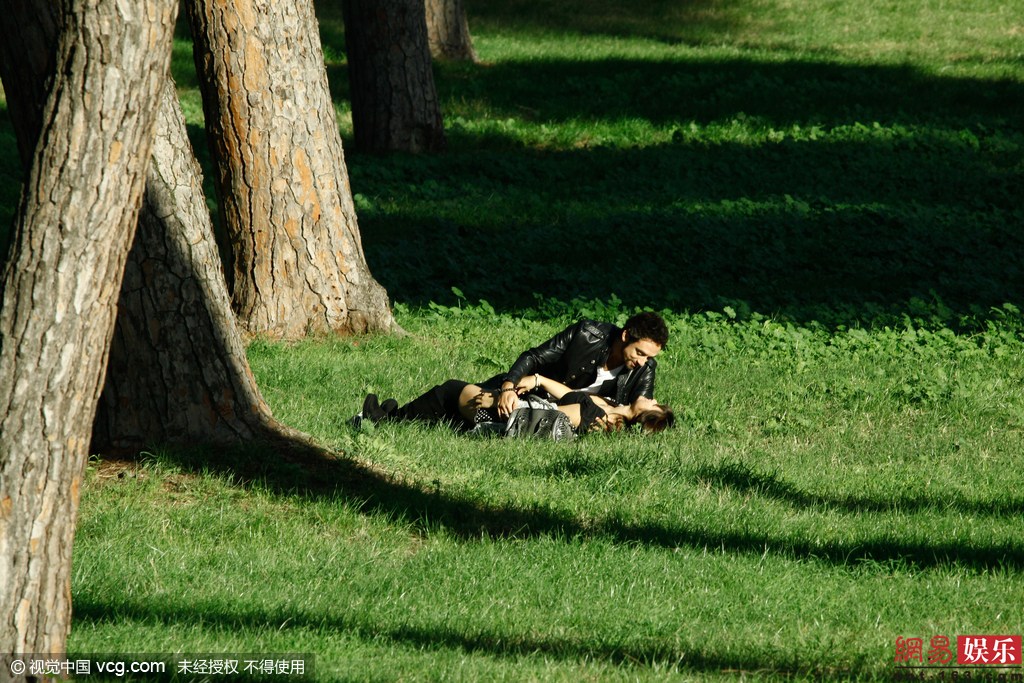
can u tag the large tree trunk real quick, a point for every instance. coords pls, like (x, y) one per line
(394, 98)
(78, 212)
(298, 264)
(178, 372)
(448, 30)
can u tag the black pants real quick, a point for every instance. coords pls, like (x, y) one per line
(441, 403)
(438, 404)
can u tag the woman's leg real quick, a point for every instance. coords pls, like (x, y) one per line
(438, 404)
(472, 399)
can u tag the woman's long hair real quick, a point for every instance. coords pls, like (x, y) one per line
(654, 420)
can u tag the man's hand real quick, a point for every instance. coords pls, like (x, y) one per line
(507, 399)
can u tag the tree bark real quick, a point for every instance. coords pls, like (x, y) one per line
(448, 31)
(177, 372)
(298, 263)
(75, 223)
(391, 80)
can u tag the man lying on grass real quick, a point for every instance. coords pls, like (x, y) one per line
(586, 360)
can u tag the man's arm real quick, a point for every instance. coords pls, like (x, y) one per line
(529, 362)
(549, 352)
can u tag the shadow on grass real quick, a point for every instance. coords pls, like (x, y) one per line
(427, 507)
(683, 658)
(668, 21)
(742, 478)
(779, 94)
(841, 232)
(672, 22)
(880, 188)
(920, 217)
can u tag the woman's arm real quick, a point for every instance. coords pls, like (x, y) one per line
(592, 417)
(531, 382)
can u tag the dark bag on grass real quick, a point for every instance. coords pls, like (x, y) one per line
(539, 423)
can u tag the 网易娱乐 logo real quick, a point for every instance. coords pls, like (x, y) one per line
(945, 658)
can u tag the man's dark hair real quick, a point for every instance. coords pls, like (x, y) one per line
(647, 325)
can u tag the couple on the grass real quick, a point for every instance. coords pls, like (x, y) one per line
(600, 376)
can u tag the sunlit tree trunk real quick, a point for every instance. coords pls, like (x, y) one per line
(394, 98)
(75, 223)
(178, 372)
(448, 30)
(298, 263)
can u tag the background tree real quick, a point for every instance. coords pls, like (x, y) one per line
(177, 371)
(297, 260)
(74, 227)
(28, 51)
(394, 98)
(448, 30)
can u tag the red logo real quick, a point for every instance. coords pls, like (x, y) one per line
(910, 650)
(979, 650)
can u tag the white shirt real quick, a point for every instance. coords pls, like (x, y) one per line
(602, 377)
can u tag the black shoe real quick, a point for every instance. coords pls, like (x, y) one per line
(371, 409)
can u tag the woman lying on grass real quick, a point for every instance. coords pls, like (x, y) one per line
(464, 405)
(586, 413)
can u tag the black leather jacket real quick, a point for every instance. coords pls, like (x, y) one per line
(573, 356)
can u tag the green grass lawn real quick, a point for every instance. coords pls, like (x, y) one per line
(822, 198)
(824, 494)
